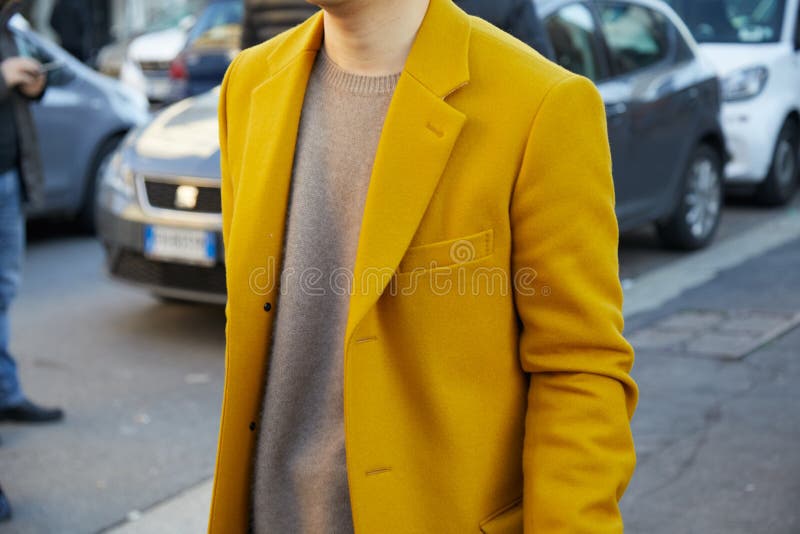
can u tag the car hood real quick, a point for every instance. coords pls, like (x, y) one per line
(157, 46)
(181, 140)
(727, 58)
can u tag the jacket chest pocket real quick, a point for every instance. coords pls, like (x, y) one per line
(449, 253)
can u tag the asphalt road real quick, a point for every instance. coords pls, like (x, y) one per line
(640, 250)
(141, 382)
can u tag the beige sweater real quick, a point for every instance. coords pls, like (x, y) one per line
(300, 477)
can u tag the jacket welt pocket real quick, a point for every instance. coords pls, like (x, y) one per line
(507, 520)
(448, 253)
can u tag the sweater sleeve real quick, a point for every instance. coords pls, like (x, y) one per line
(578, 451)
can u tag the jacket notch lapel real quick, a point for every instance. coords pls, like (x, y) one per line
(262, 198)
(418, 136)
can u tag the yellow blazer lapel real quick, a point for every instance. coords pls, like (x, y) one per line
(419, 133)
(262, 195)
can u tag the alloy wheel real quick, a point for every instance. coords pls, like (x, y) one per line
(703, 198)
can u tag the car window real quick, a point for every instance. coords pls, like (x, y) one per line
(573, 32)
(732, 21)
(637, 37)
(220, 26)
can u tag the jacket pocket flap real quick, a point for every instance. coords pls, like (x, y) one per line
(448, 253)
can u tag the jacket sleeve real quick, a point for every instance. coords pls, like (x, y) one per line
(578, 451)
(227, 188)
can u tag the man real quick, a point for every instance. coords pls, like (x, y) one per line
(517, 17)
(71, 21)
(264, 19)
(5, 507)
(424, 310)
(20, 176)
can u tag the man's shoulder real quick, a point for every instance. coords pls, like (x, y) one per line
(498, 55)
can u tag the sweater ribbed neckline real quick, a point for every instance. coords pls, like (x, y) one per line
(360, 84)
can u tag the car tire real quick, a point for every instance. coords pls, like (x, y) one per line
(696, 218)
(86, 217)
(780, 185)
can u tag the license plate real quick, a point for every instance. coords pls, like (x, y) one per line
(180, 244)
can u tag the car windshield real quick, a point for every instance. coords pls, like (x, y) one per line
(732, 21)
(220, 26)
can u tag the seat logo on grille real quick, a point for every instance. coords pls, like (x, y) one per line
(186, 197)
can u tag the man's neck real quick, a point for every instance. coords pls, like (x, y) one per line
(372, 37)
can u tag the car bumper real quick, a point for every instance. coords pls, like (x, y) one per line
(121, 225)
(751, 129)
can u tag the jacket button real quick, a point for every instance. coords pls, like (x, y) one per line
(252, 426)
(267, 307)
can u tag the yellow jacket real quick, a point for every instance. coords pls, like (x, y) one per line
(486, 384)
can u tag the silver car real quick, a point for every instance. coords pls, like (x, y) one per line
(159, 212)
(80, 121)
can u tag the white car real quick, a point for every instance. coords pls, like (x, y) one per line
(147, 63)
(755, 47)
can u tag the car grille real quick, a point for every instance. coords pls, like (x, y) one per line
(162, 195)
(154, 66)
(137, 268)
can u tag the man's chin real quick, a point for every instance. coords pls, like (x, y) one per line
(329, 4)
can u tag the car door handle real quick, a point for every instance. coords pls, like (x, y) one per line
(615, 110)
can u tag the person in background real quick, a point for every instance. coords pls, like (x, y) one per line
(5, 507)
(517, 17)
(22, 80)
(264, 19)
(70, 20)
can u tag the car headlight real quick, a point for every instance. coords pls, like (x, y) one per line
(118, 175)
(745, 83)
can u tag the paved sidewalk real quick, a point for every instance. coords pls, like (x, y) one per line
(186, 513)
(718, 438)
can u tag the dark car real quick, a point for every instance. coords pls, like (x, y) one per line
(80, 121)
(663, 108)
(160, 204)
(211, 45)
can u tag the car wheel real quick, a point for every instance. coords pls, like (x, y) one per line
(87, 215)
(781, 183)
(697, 215)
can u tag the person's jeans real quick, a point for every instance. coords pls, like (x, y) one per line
(12, 245)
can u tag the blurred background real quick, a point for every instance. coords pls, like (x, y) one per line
(120, 320)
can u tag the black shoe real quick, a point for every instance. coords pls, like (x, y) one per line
(28, 412)
(5, 508)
